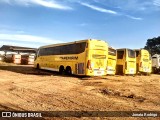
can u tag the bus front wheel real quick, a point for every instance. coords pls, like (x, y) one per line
(68, 70)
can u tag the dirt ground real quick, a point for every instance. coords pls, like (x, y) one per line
(25, 88)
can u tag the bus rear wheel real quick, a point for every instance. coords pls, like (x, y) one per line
(61, 69)
(68, 70)
(37, 66)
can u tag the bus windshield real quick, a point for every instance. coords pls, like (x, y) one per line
(131, 53)
(112, 51)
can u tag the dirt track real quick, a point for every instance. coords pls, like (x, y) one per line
(24, 88)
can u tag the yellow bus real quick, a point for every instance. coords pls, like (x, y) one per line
(111, 63)
(143, 61)
(126, 61)
(85, 57)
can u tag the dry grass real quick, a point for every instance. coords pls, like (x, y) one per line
(25, 88)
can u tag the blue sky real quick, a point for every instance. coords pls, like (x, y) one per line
(121, 23)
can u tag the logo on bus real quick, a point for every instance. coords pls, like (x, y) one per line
(99, 63)
(70, 58)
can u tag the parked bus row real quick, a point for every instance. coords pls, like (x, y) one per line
(26, 59)
(92, 58)
(127, 61)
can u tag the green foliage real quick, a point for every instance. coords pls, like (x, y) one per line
(153, 45)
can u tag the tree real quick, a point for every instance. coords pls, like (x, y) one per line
(153, 45)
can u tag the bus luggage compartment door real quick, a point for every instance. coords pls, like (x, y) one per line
(80, 68)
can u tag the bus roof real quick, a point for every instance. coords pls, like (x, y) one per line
(112, 47)
(124, 49)
(58, 44)
(140, 49)
(156, 55)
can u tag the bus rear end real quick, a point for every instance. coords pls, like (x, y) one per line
(156, 63)
(126, 61)
(96, 58)
(17, 58)
(111, 63)
(144, 62)
(31, 59)
(130, 63)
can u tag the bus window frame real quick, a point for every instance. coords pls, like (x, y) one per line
(130, 55)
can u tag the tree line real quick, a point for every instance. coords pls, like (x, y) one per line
(153, 45)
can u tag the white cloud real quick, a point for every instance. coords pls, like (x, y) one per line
(44, 3)
(143, 6)
(27, 38)
(99, 9)
(134, 18)
(156, 2)
(109, 11)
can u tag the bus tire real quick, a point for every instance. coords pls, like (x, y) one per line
(68, 70)
(61, 69)
(37, 67)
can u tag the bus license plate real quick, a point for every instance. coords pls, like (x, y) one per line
(131, 71)
(99, 72)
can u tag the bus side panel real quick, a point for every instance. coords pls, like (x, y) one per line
(54, 62)
(111, 62)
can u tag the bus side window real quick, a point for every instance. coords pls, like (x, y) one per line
(120, 54)
(80, 47)
(41, 52)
